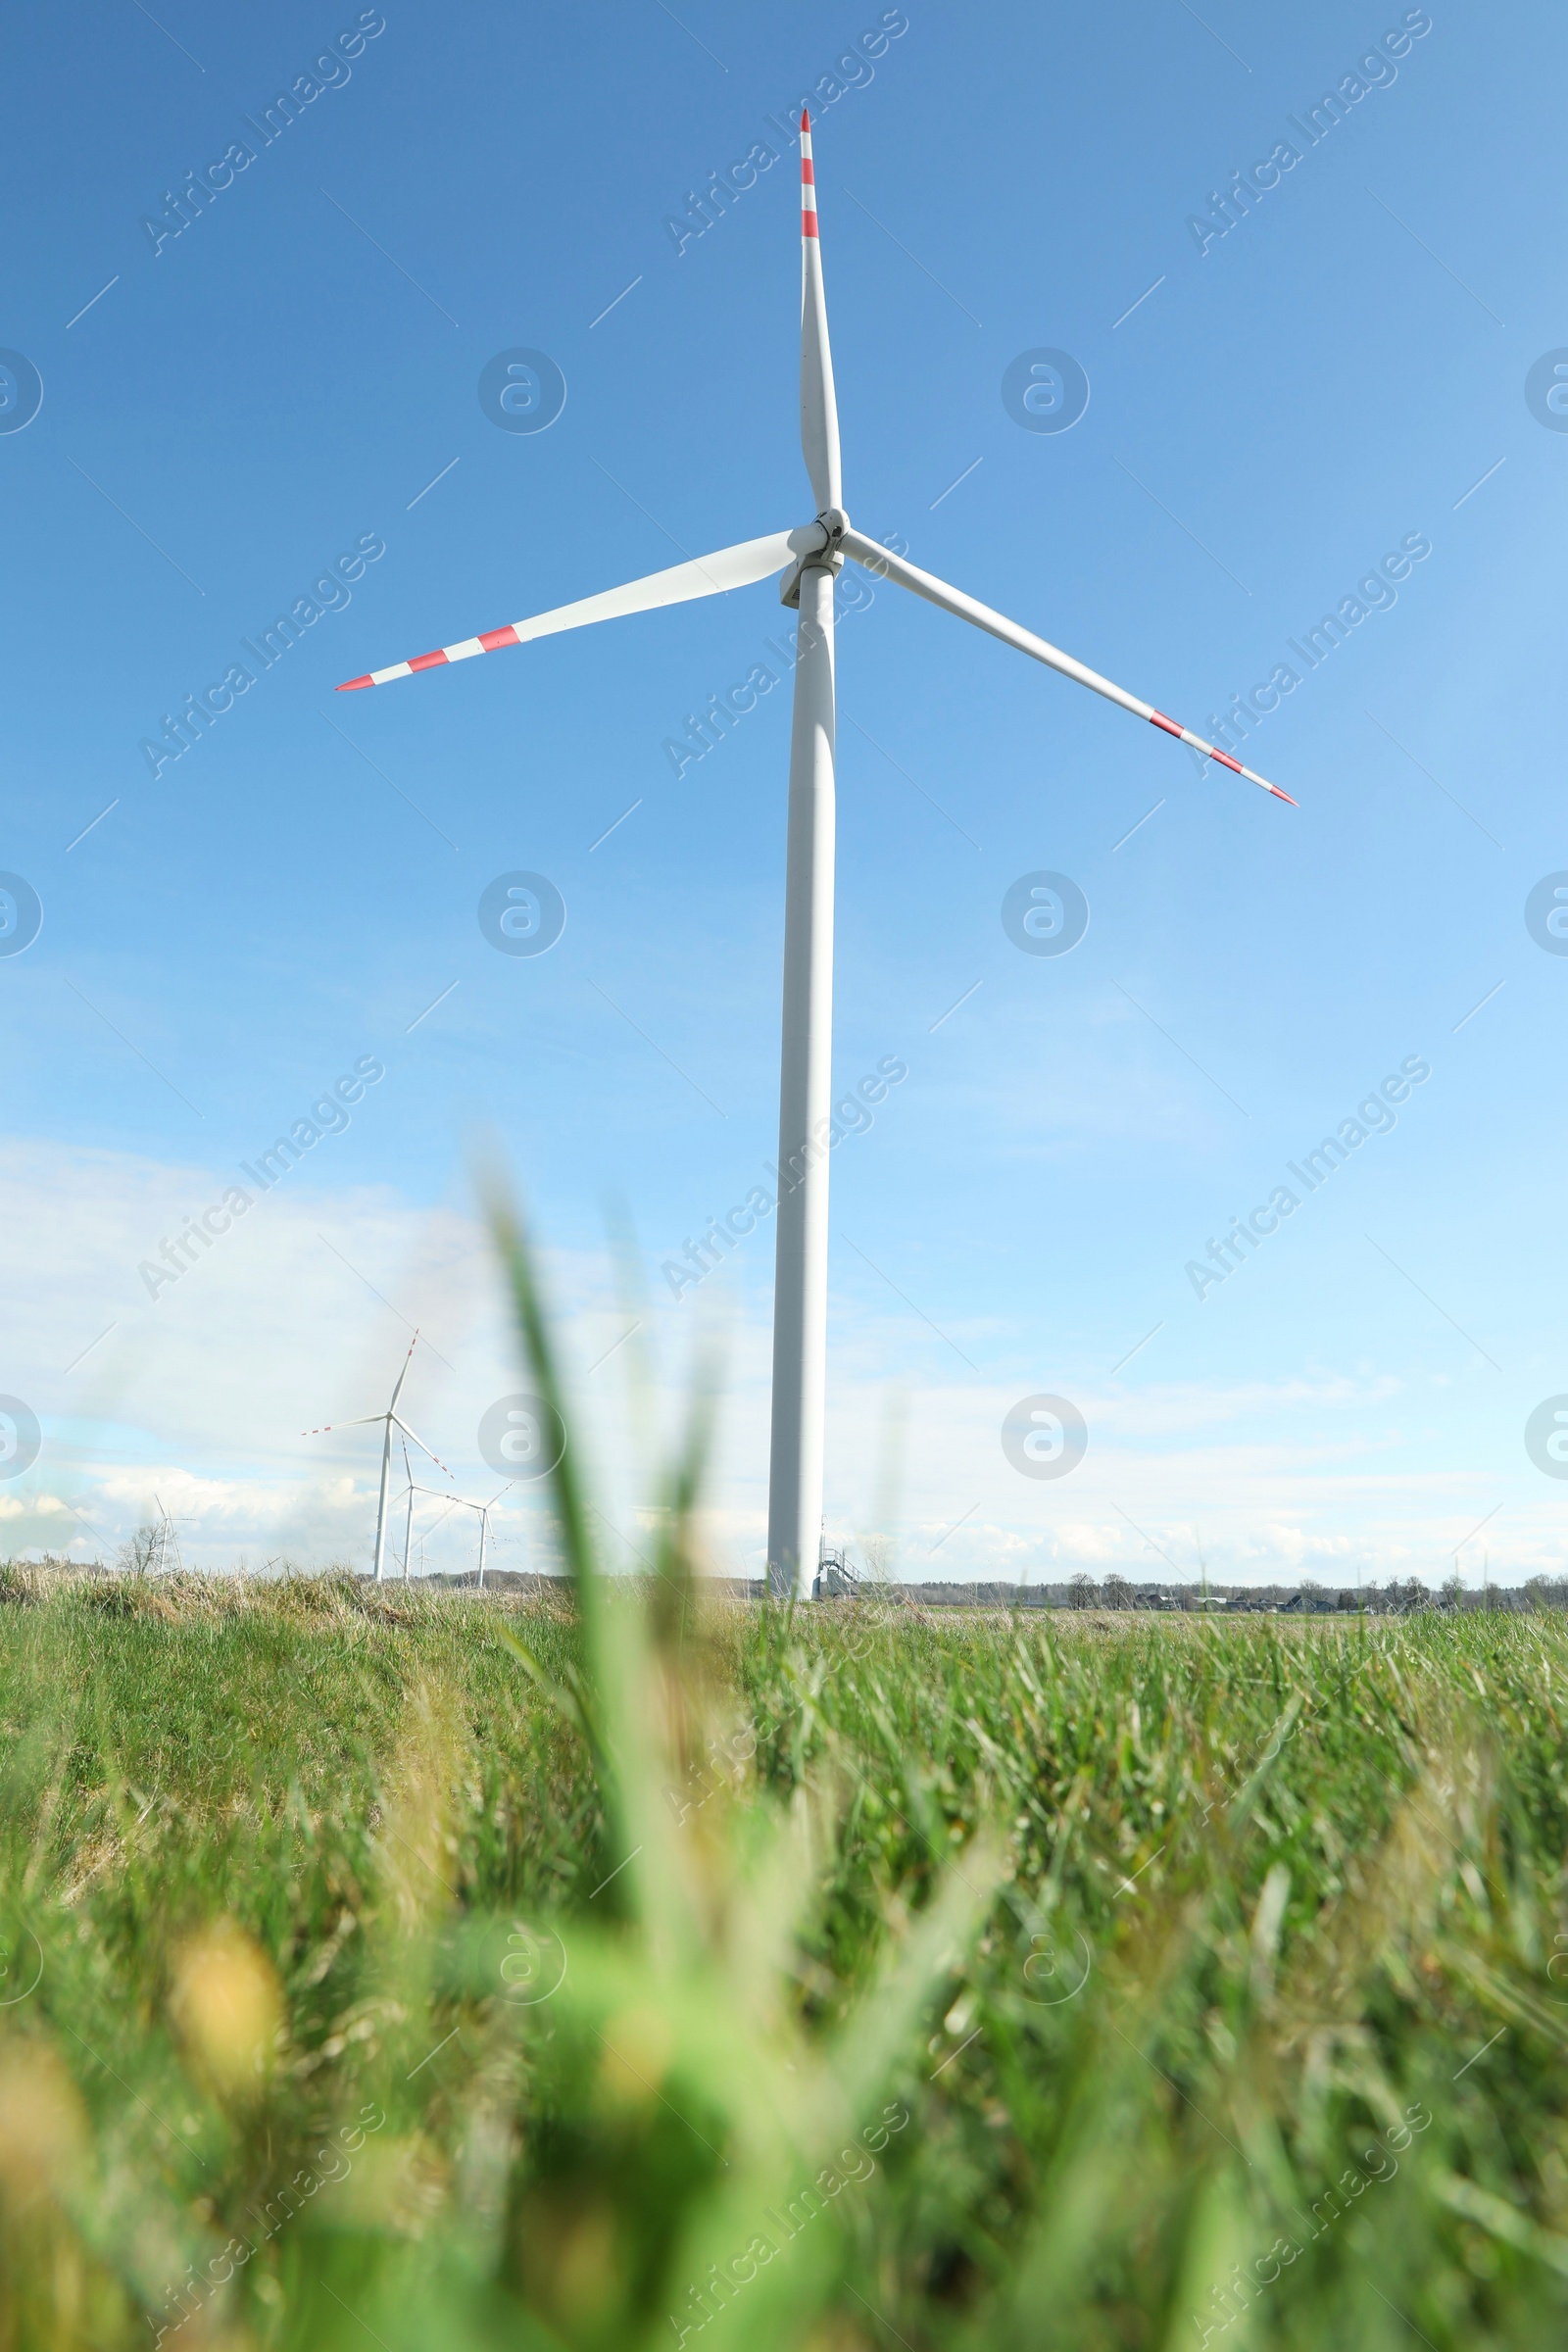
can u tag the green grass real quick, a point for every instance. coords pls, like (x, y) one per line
(1154, 1933)
(420, 1972)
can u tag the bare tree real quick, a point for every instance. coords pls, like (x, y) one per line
(141, 1554)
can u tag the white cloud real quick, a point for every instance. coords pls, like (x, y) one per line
(300, 1316)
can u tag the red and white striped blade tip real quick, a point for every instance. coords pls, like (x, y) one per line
(808, 180)
(1252, 778)
(489, 641)
(1211, 751)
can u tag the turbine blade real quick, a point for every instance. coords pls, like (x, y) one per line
(704, 576)
(417, 1439)
(364, 1422)
(820, 413)
(886, 566)
(404, 1374)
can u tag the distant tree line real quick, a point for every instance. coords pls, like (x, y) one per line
(153, 1549)
(1374, 1598)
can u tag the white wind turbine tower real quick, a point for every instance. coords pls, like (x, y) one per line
(453, 1502)
(407, 1524)
(389, 1420)
(809, 557)
(485, 1509)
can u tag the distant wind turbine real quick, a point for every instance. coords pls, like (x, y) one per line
(407, 1524)
(391, 1419)
(457, 1502)
(485, 1510)
(809, 559)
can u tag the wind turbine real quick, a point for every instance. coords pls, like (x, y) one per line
(391, 1419)
(809, 557)
(162, 1541)
(407, 1524)
(451, 1500)
(457, 1502)
(485, 1509)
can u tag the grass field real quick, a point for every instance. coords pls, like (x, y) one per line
(1068, 1983)
(432, 1972)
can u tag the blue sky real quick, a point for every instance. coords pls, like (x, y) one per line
(1272, 412)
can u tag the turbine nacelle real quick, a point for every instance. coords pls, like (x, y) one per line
(819, 552)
